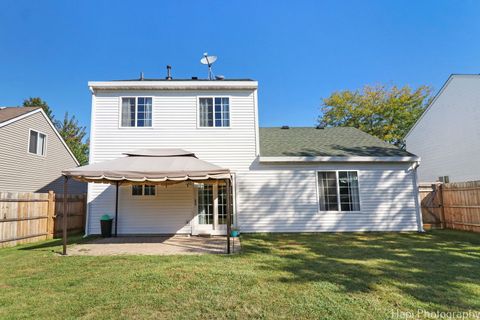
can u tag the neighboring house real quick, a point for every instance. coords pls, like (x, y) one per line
(447, 135)
(32, 153)
(285, 180)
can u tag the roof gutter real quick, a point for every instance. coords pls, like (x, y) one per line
(337, 159)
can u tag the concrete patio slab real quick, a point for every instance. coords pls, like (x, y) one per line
(153, 245)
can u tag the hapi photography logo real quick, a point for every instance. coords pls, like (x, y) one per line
(425, 314)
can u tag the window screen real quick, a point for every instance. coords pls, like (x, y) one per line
(338, 191)
(37, 143)
(214, 112)
(136, 112)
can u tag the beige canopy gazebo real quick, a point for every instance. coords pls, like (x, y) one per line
(155, 166)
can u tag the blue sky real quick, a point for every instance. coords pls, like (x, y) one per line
(299, 51)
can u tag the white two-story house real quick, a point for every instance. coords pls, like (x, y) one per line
(283, 179)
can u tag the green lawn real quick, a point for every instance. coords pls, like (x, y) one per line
(337, 276)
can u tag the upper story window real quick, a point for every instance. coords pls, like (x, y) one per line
(214, 112)
(37, 143)
(338, 191)
(136, 112)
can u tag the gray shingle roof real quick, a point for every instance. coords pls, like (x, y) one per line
(328, 142)
(8, 113)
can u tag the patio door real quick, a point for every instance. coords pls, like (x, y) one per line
(211, 217)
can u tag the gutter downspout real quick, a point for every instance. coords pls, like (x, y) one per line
(417, 197)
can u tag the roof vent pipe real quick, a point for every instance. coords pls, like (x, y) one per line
(169, 72)
(285, 127)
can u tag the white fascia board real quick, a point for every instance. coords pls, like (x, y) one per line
(173, 85)
(19, 117)
(338, 159)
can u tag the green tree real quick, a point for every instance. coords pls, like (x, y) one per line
(38, 102)
(74, 134)
(387, 112)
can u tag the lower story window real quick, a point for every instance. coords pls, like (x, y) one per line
(338, 191)
(143, 190)
(149, 190)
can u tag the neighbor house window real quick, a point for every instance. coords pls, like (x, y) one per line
(143, 190)
(338, 191)
(37, 143)
(137, 112)
(214, 112)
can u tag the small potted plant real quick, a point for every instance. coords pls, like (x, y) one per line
(234, 232)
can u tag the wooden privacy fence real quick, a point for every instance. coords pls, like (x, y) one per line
(29, 217)
(451, 205)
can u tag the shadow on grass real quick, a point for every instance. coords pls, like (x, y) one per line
(437, 268)
(55, 244)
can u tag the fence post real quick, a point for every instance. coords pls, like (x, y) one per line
(50, 214)
(442, 207)
(84, 212)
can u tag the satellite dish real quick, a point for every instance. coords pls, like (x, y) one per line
(208, 60)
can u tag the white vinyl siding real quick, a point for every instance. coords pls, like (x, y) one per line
(174, 125)
(283, 198)
(168, 212)
(447, 136)
(22, 171)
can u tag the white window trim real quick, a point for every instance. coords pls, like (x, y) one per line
(338, 193)
(44, 155)
(143, 192)
(136, 113)
(214, 127)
